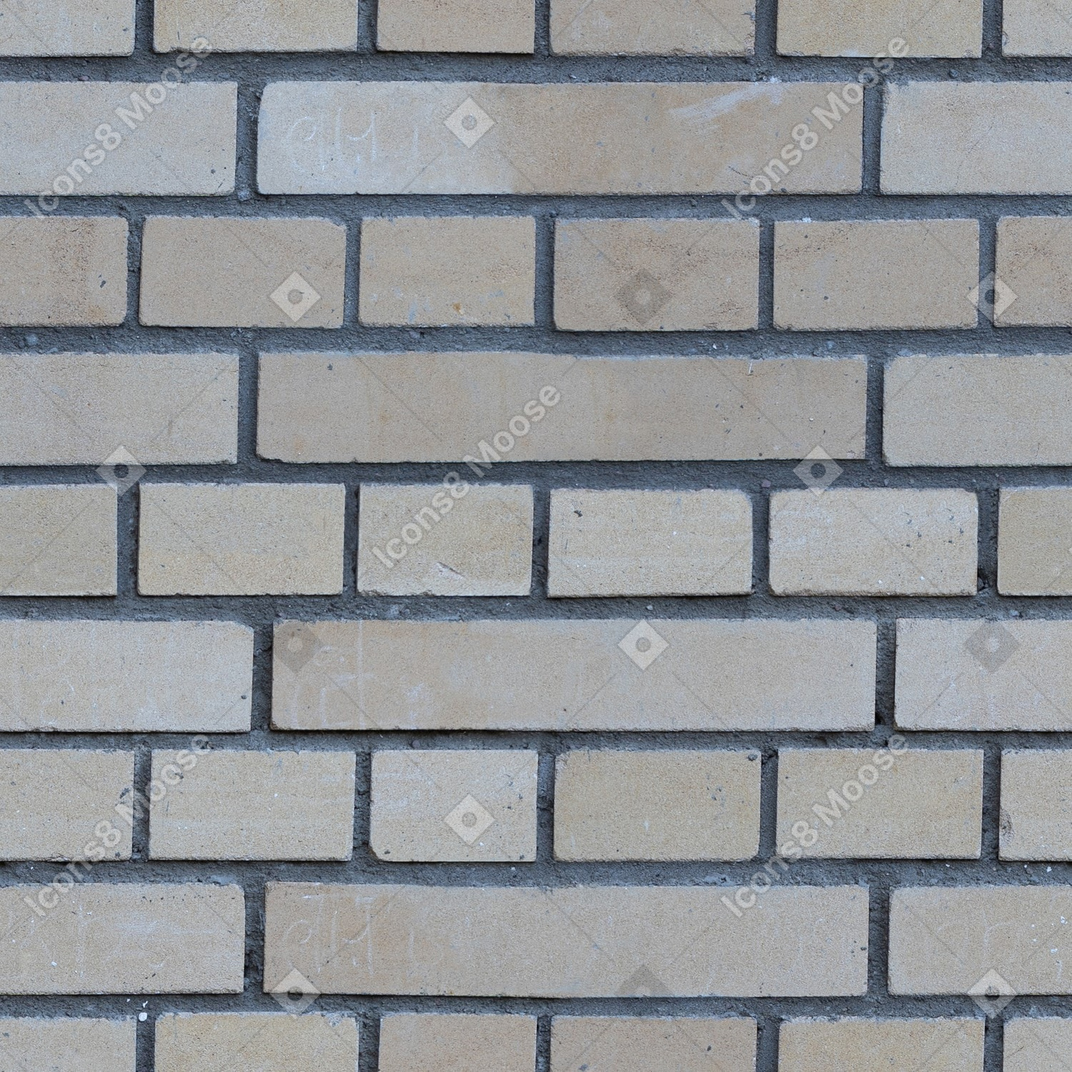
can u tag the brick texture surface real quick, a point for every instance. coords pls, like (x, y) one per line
(67, 28)
(67, 1043)
(226, 26)
(454, 1042)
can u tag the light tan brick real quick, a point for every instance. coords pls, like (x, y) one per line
(1034, 253)
(656, 275)
(575, 675)
(51, 800)
(456, 26)
(977, 137)
(1032, 1043)
(1035, 28)
(178, 139)
(125, 677)
(870, 274)
(565, 942)
(874, 541)
(122, 938)
(58, 540)
(67, 1044)
(160, 408)
(255, 1042)
(228, 805)
(443, 270)
(419, 539)
(1036, 805)
(656, 805)
(277, 273)
(457, 1043)
(650, 1044)
(362, 407)
(67, 28)
(675, 543)
(255, 25)
(880, 29)
(875, 803)
(469, 804)
(945, 940)
(610, 138)
(63, 272)
(984, 675)
(857, 1044)
(1035, 542)
(241, 539)
(978, 410)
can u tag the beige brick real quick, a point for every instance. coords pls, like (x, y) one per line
(457, 1042)
(277, 273)
(650, 1044)
(58, 540)
(1033, 269)
(978, 410)
(869, 804)
(932, 133)
(657, 805)
(456, 26)
(575, 675)
(673, 543)
(255, 25)
(51, 800)
(874, 541)
(555, 138)
(440, 271)
(241, 539)
(1035, 542)
(469, 805)
(656, 275)
(67, 28)
(67, 1045)
(255, 1042)
(633, 27)
(58, 137)
(122, 938)
(160, 408)
(984, 675)
(945, 940)
(1036, 805)
(566, 941)
(253, 806)
(63, 272)
(363, 407)
(477, 545)
(856, 1044)
(870, 274)
(125, 677)
(1032, 1043)
(1035, 28)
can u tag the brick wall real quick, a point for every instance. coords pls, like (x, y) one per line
(535, 537)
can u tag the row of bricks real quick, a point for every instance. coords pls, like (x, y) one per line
(480, 805)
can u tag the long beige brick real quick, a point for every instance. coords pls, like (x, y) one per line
(255, 1041)
(1035, 28)
(978, 410)
(656, 805)
(125, 677)
(983, 675)
(468, 805)
(67, 28)
(457, 1042)
(977, 138)
(229, 805)
(122, 938)
(1036, 804)
(946, 940)
(162, 409)
(866, 1045)
(51, 801)
(652, 1044)
(860, 803)
(871, 274)
(565, 942)
(241, 539)
(1032, 1043)
(456, 26)
(67, 1044)
(575, 675)
(364, 407)
(1033, 259)
(60, 138)
(1035, 542)
(274, 273)
(874, 541)
(557, 138)
(255, 26)
(656, 275)
(63, 272)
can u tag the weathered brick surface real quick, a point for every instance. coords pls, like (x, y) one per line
(457, 26)
(1035, 541)
(1036, 1042)
(68, 1044)
(454, 1042)
(1032, 268)
(1036, 805)
(67, 28)
(314, 26)
(1035, 28)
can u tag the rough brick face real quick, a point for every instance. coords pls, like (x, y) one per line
(457, 26)
(67, 28)
(1036, 809)
(452, 1042)
(69, 1044)
(1034, 28)
(1035, 542)
(1035, 286)
(250, 26)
